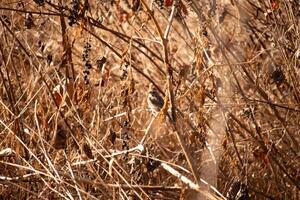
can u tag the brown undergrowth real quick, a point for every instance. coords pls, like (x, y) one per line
(74, 82)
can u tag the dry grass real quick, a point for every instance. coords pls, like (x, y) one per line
(74, 119)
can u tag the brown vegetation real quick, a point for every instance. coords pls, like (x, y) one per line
(74, 116)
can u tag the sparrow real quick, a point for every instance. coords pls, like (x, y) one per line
(154, 100)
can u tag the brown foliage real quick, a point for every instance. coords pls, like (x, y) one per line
(74, 116)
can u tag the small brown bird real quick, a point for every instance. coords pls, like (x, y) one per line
(155, 101)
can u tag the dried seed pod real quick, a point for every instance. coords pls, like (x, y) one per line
(60, 138)
(85, 59)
